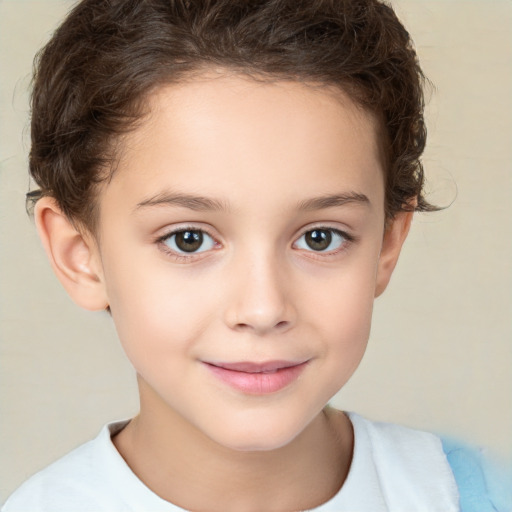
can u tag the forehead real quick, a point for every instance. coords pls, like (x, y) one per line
(238, 139)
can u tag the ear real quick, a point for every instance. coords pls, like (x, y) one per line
(395, 233)
(74, 256)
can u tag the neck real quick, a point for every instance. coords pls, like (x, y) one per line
(182, 465)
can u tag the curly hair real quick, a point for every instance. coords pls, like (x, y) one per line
(92, 78)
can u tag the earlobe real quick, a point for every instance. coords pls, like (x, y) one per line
(74, 256)
(394, 237)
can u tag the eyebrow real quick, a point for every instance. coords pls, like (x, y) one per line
(197, 203)
(201, 204)
(332, 200)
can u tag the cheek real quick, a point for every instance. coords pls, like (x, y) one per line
(341, 313)
(157, 315)
(344, 343)
(346, 324)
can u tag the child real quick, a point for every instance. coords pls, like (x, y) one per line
(233, 182)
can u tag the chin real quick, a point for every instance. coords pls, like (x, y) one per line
(259, 436)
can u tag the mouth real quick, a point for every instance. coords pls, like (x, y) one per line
(257, 378)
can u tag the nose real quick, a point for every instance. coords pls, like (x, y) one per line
(260, 300)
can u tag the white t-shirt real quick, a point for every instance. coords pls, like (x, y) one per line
(393, 469)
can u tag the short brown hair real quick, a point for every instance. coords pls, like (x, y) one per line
(91, 79)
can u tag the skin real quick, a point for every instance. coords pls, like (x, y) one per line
(263, 154)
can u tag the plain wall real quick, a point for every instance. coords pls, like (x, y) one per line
(440, 353)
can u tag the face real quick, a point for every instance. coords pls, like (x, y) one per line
(239, 242)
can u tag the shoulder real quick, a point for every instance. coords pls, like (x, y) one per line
(75, 482)
(413, 450)
(406, 458)
(408, 466)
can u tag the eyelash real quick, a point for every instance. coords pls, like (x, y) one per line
(348, 239)
(181, 257)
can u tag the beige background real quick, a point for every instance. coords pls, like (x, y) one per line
(440, 356)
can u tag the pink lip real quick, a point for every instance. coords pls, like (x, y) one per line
(258, 378)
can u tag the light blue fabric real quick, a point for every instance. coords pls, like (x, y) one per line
(484, 484)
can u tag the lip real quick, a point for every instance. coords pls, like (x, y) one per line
(257, 378)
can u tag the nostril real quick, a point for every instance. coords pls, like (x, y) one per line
(241, 327)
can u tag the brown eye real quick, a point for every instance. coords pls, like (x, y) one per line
(189, 241)
(318, 239)
(323, 240)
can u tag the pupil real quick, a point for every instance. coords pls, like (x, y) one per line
(189, 241)
(318, 239)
